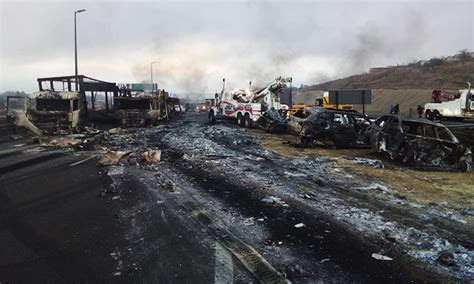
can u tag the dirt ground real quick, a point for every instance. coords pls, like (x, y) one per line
(425, 187)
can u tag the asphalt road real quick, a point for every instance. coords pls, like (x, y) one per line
(63, 218)
(57, 225)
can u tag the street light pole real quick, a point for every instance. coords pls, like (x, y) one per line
(151, 79)
(75, 44)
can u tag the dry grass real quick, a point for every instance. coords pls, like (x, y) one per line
(424, 187)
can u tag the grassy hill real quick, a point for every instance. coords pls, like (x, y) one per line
(442, 75)
(408, 85)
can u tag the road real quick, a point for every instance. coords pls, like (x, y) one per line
(218, 208)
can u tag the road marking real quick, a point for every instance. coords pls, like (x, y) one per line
(224, 270)
(82, 161)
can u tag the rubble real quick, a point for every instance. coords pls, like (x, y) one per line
(114, 130)
(378, 256)
(152, 156)
(446, 258)
(169, 185)
(113, 157)
(369, 162)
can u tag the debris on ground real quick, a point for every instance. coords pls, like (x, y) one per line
(152, 156)
(446, 258)
(273, 199)
(374, 186)
(381, 257)
(300, 225)
(113, 157)
(169, 185)
(116, 130)
(369, 162)
(63, 142)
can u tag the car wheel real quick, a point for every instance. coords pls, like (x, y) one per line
(436, 115)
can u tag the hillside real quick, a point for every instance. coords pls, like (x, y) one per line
(432, 74)
(408, 85)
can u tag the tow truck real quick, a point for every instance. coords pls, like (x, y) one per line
(247, 106)
(451, 105)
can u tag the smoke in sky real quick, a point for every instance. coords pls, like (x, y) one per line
(197, 43)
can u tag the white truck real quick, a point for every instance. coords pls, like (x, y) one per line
(454, 106)
(248, 106)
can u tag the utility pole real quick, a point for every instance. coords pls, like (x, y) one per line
(75, 43)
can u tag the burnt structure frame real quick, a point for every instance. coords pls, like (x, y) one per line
(85, 84)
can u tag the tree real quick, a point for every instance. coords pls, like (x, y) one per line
(434, 62)
(464, 56)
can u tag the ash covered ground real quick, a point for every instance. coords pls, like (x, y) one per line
(221, 207)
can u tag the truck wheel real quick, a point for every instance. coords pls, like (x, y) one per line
(240, 120)
(212, 116)
(428, 114)
(247, 121)
(436, 115)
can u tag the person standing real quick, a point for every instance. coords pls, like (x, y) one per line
(420, 110)
(396, 109)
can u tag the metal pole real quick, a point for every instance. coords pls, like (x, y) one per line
(75, 45)
(75, 49)
(151, 74)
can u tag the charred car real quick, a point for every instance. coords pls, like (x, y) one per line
(330, 127)
(273, 121)
(422, 143)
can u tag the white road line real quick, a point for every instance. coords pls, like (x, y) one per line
(82, 161)
(224, 270)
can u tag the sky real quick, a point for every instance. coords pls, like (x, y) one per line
(197, 43)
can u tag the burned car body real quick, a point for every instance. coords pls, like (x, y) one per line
(328, 126)
(423, 143)
(273, 121)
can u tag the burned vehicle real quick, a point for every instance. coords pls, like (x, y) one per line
(329, 127)
(273, 121)
(137, 111)
(49, 112)
(146, 109)
(422, 143)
